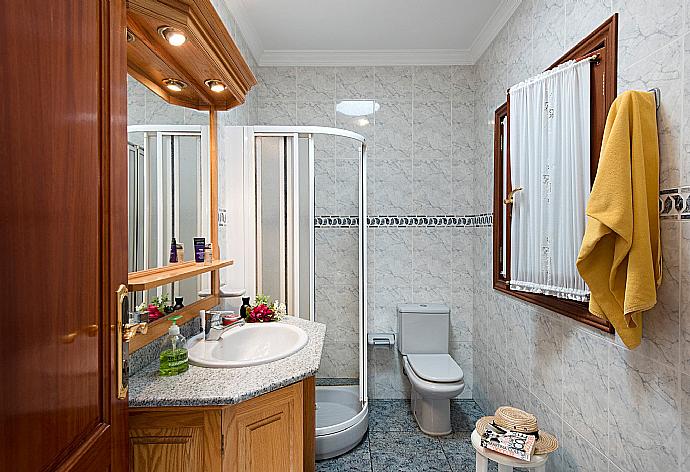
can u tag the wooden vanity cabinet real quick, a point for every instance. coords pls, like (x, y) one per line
(175, 439)
(271, 432)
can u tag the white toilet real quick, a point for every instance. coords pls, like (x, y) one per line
(423, 334)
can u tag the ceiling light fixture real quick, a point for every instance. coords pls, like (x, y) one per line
(130, 36)
(174, 84)
(173, 36)
(215, 85)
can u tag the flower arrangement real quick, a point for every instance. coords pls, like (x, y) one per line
(264, 311)
(158, 307)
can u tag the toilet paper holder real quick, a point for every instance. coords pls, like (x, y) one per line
(381, 339)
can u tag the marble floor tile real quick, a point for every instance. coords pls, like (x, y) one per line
(357, 460)
(406, 451)
(395, 443)
(464, 414)
(391, 415)
(459, 451)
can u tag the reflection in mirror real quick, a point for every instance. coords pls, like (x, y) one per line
(169, 197)
(154, 304)
(274, 223)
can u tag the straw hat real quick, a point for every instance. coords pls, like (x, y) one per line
(512, 419)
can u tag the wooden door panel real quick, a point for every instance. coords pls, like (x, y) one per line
(265, 433)
(62, 65)
(163, 454)
(175, 440)
(257, 445)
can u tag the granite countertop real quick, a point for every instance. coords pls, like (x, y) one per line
(201, 386)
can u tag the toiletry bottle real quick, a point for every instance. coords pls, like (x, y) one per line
(180, 252)
(208, 254)
(199, 246)
(178, 303)
(173, 251)
(245, 306)
(174, 352)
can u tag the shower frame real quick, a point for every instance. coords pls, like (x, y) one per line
(295, 133)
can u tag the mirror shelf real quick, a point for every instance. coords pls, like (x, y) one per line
(152, 278)
(160, 327)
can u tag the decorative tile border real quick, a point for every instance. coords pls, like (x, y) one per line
(461, 221)
(674, 204)
(336, 221)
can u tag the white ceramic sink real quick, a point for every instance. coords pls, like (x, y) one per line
(251, 344)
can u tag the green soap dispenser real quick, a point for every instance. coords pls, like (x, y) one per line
(174, 352)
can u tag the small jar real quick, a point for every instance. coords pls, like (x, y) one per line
(228, 317)
(178, 303)
(208, 254)
(180, 252)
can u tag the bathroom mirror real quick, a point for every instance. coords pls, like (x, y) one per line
(168, 197)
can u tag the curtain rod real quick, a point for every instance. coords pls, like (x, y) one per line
(596, 58)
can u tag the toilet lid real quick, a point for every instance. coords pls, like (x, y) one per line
(435, 367)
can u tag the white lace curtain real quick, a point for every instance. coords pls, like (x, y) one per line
(550, 158)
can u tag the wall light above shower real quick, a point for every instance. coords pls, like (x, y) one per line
(357, 108)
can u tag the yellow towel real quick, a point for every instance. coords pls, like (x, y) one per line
(620, 256)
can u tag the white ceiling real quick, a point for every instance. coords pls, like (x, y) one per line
(366, 32)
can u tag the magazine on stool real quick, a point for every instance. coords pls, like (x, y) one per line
(510, 443)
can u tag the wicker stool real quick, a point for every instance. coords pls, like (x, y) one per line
(505, 463)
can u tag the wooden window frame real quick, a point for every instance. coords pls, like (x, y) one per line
(602, 42)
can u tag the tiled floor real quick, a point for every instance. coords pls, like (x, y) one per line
(395, 442)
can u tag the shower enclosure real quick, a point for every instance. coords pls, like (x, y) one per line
(304, 200)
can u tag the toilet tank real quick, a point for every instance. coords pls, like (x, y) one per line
(423, 328)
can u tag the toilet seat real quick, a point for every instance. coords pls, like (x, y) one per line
(430, 389)
(436, 368)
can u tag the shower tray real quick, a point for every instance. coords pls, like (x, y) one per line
(341, 420)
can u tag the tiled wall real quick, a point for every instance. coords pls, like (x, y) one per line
(612, 409)
(419, 125)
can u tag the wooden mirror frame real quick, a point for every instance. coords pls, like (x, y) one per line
(603, 42)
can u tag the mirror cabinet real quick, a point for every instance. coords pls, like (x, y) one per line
(181, 52)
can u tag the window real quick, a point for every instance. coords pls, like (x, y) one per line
(603, 43)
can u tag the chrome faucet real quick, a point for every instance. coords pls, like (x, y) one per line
(213, 325)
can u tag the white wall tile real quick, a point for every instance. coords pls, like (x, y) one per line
(646, 26)
(643, 413)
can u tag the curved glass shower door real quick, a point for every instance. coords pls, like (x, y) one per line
(311, 223)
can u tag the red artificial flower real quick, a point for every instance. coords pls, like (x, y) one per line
(260, 313)
(154, 312)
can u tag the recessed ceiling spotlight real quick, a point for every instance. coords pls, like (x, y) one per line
(130, 36)
(215, 85)
(173, 36)
(174, 85)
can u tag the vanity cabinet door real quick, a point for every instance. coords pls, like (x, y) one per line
(264, 434)
(175, 440)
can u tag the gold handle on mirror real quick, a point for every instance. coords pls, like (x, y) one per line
(122, 361)
(511, 196)
(130, 330)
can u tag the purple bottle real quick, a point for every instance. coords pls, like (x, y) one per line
(173, 251)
